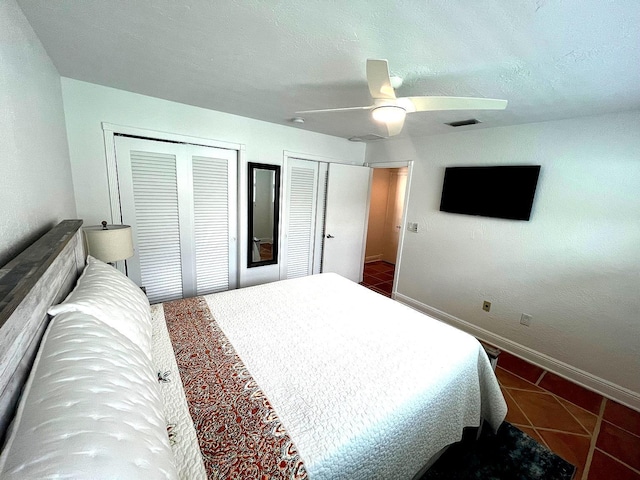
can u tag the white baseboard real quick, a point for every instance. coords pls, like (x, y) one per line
(580, 377)
(372, 258)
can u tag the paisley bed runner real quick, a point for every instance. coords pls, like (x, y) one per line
(239, 433)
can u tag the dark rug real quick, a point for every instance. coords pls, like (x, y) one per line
(508, 455)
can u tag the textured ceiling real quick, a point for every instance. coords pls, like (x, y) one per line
(550, 59)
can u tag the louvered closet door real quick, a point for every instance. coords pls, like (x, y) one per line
(180, 201)
(214, 192)
(301, 186)
(148, 181)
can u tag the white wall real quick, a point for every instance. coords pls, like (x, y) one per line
(575, 266)
(36, 191)
(88, 105)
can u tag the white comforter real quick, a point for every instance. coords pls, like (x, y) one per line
(366, 387)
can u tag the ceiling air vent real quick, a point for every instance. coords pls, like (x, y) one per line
(366, 138)
(462, 123)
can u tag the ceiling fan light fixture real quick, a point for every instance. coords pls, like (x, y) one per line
(388, 113)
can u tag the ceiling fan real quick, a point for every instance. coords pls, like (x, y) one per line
(391, 110)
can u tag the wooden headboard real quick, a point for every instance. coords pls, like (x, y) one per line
(39, 277)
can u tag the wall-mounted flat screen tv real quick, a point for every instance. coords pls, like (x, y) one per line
(502, 191)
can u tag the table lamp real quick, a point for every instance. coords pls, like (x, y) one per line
(109, 243)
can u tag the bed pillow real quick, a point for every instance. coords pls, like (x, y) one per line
(91, 409)
(108, 295)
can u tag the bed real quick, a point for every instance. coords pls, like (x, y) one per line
(313, 378)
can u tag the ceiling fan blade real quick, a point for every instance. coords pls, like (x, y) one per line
(395, 127)
(429, 104)
(337, 109)
(378, 80)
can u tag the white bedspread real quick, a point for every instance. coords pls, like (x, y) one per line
(184, 440)
(366, 387)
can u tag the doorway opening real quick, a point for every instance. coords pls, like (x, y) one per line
(386, 210)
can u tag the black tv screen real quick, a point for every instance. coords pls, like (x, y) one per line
(501, 191)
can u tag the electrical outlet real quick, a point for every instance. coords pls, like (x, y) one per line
(525, 319)
(486, 306)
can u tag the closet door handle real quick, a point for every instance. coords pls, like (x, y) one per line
(330, 236)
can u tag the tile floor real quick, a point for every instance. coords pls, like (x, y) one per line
(265, 251)
(378, 276)
(597, 435)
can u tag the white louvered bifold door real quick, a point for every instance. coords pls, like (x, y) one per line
(214, 190)
(148, 181)
(180, 201)
(301, 184)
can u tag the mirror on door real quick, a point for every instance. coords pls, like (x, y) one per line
(264, 205)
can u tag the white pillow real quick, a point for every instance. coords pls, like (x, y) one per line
(108, 295)
(90, 409)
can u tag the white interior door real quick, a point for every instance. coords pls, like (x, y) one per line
(346, 220)
(395, 210)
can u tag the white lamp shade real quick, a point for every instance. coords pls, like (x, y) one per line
(110, 245)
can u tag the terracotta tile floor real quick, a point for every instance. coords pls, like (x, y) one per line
(378, 276)
(599, 436)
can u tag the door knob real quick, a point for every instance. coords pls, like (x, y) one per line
(330, 236)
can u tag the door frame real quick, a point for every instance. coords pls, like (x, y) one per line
(403, 230)
(109, 132)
